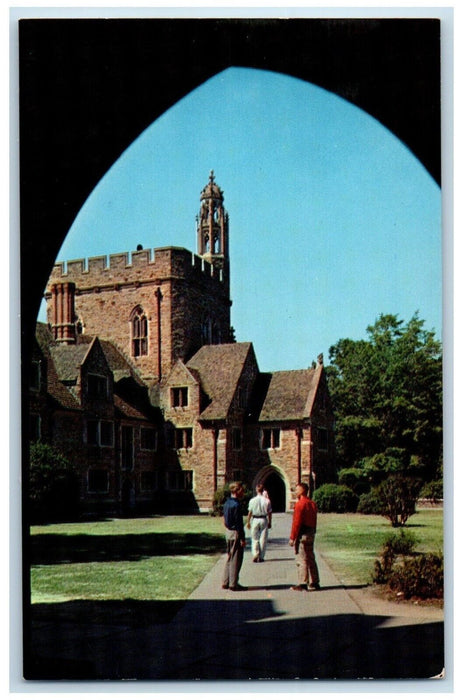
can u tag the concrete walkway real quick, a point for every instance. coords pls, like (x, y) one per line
(266, 632)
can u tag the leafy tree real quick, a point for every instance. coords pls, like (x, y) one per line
(396, 497)
(387, 397)
(53, 484)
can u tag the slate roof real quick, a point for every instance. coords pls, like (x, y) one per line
(118, 363)
(68, 360)
(58, 394)
(219, 368)
(290, 395)
(131, 398)
(124, 409)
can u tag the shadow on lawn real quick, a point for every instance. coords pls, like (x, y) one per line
(59, 549)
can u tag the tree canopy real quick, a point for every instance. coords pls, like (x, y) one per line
(387, 397)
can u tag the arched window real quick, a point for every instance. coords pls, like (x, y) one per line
(206, 331)
(139, 325)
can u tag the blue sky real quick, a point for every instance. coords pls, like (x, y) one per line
(332, 220)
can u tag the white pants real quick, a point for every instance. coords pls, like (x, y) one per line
(259, 536)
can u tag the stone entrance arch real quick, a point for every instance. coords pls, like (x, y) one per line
(277, 485)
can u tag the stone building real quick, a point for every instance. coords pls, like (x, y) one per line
(137, 377)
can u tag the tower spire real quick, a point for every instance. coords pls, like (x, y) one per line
(212, 228)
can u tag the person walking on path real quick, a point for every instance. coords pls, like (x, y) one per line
(302, 537)
(260, 521)
(234, 536)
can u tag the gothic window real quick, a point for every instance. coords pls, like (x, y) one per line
(206, 331)
(139, 333)
(216, 338)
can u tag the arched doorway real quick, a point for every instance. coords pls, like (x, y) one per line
(275, 486)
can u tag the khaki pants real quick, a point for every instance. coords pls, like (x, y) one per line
(305, 559)
(234, 559)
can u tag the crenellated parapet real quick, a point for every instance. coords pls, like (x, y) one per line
(145, 266)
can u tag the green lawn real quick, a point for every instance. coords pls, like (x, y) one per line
(351, 542)
(161, 558)
(165, 558)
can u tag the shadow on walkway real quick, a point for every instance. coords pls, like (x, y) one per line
(242, 639)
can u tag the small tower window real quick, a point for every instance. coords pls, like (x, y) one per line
(139, 333)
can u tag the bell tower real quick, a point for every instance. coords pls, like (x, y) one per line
(212, 229)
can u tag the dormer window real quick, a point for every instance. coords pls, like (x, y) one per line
(97, 386)
(139, 333)
(179, 396)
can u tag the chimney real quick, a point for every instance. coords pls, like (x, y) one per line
(63, 314)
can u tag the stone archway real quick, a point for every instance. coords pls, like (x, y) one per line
(277, 487)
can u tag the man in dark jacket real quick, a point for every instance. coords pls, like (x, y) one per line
(234, 535)
(302, 537)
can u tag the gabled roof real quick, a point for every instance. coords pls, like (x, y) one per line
(219, 368)
(181, 374)
(64, 361)
(290, 395)
(118, 363)
(127, 409)
(68, 359)
(58, 394)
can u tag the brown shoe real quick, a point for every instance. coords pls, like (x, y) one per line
(314, 586)
(238, 587)
(225, 586)
(299, 588)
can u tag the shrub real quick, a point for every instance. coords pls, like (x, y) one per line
(53, 484)
(397, 496)
(401, 543)
(421, 576)
(334, 498)
(370, 503)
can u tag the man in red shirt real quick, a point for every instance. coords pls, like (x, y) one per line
(302, 538)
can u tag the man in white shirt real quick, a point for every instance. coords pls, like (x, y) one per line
(259, 520)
